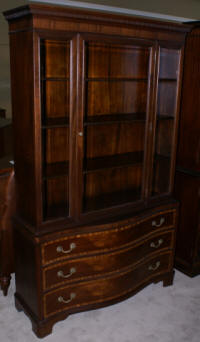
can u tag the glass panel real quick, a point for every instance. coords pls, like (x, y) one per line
(55, 64)
(116, 83)
(166, 111)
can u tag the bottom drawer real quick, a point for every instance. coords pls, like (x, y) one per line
(106, 289)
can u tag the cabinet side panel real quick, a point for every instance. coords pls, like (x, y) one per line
(189, 138)
(187, 191)
(22, 81)
(25, 272)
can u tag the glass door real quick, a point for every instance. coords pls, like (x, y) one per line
(116, 80)
(166, 119)
(55, 66)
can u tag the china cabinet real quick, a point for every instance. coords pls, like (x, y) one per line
(95, 111)
(187, 181)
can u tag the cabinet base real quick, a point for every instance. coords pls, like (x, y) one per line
(42, 328)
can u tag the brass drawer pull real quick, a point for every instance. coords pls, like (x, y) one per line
(154, 267)
(156, 245)
(62, 275)
(162, 220)
(62, 300)
(60, 249)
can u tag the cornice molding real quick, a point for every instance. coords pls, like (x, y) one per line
(113, 9)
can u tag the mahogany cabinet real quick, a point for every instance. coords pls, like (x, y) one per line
(187, 181)
(95, 110)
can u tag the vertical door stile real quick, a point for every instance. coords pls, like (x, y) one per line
(153, 121)
(78, 129)
(72, 126)
(177, 112)
(37, 128)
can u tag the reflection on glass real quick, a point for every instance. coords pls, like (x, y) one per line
(166, 109)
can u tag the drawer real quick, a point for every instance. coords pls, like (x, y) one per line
(95, 266)
(107, 289)
(106, 239)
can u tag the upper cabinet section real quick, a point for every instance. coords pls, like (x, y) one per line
(95, 108)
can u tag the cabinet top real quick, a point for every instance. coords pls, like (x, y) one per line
(92, 16)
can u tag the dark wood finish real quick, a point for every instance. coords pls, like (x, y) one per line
(187, 179)
(100, 111)
(6, 137)
(7, 210)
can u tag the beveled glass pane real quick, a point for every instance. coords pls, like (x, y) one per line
(116, 92)
(56, 197)
(55, 65)
(169, 63)
(165, 124)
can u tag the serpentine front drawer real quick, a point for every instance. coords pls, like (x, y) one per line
(106, 290)
(95, 266)
(107, 238)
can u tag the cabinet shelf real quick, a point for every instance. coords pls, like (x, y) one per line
(55, 122)
(114, 118)
(164, 117)
(115, 79)
(55, 79)
(110, 162)
(55, 170)
(167, 79)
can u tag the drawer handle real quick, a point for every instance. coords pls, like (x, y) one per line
(156, 245)
(62, 275)
(154, 224)
(62, 300)
(60, 249)
(154, 267)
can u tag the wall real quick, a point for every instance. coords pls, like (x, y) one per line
(5, 101)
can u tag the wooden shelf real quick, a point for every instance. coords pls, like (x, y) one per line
(55, 122)
(110, 162)
(57, 79)
(61, 210)
(55, 170)
(164, 117)
(113, 199)
(115, 79)
(167, 79)
(114, 118)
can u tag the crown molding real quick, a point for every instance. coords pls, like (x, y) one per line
(113, 9)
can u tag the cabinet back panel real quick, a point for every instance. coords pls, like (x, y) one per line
(56, 98)
(55, 55)
(114, 139)
(114, 60)
(57, 145)
(56, 197)
(116, 97)
(108, 187)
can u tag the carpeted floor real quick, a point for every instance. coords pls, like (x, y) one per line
(155, 314)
